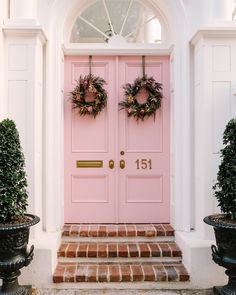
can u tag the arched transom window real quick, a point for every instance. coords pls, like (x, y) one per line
(127, 20)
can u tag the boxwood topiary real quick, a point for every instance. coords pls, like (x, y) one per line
(225, 187)
(13, 183)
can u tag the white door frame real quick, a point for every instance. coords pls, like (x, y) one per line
(181, 117)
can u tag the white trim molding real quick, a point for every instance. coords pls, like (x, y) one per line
(24, 29)
(221, 31)
(110, 49)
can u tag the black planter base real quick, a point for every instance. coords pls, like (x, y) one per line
(225, 290)
(21, 290)
(14, 255)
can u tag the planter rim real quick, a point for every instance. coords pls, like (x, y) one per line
(34, 219)
(208, 220)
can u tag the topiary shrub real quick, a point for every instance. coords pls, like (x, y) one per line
(225, 187)
(13, 183)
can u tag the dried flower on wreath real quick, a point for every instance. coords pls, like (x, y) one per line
(92, 86)
(153, 101)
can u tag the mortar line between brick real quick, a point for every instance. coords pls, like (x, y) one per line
(142, 272)
(89, 227)
(76, 252)
(126, 231)
(158, 246)
(63, 275)
(128, 250)
(154, 272)
(139, 250)
(119, 272)
(171, 253)
(107, 250)
(166, 272)
(178, 273)
(154, 229)
(86, 274)
(131, 274)
(108, 274)
(66, 249)
(97, 273)
(150, 250)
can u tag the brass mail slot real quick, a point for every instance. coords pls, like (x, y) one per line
(89, 164)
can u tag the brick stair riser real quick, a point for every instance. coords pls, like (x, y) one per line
(121, 231)
(120, 273)
(112, 250)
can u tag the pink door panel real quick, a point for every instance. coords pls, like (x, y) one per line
(145, 182)
(139, 192)
(89, 192)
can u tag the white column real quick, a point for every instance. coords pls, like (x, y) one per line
(23, 9)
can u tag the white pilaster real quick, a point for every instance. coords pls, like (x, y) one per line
(23, 9)
(221, 10)
(215, 105)
(3, 15)
(23, 77)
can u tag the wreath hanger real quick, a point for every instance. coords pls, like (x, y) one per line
(90, 65)
(143, 65)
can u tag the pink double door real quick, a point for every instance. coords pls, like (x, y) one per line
(137, 188)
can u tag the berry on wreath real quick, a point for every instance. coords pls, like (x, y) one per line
(89, 96)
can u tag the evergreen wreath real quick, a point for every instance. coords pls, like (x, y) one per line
(92, 85)
(142, 110)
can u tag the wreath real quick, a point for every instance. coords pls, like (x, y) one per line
(153, 101)
(89, 96)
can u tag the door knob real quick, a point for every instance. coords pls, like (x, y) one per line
(122, 164)
(111, 164)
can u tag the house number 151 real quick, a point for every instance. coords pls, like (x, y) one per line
(144, 164)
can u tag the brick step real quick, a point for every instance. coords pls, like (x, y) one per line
(124, 250)
(117, 230)
(117, 272)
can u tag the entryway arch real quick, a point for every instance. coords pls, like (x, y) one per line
(175, 20)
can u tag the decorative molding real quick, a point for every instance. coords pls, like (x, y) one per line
(24, 30)
(214, 32)
(109, 49)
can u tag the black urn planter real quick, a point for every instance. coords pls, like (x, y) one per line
(224, 254)
(14, 255)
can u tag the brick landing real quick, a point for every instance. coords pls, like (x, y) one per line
(95, 253)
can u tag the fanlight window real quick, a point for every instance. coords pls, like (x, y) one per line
(131, 20)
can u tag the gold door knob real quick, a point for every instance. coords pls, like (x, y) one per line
(111, 164)
(122, 164)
